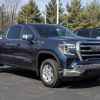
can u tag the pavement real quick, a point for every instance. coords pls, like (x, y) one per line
(18, 84)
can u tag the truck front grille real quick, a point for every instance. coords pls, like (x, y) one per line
(88, 50)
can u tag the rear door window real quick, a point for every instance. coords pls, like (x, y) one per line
(14, 32)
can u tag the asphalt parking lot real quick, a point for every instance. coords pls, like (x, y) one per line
(24, 85)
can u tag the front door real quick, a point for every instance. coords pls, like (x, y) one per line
(26, 50)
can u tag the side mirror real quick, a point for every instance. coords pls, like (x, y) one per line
(28, 37)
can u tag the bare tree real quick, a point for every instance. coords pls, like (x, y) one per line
(11, 7)
(8, 12)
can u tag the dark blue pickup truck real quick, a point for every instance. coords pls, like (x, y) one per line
(53, 51)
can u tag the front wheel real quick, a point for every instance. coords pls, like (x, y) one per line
(1, 64)
(49, 73)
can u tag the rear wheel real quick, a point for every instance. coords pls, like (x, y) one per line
(49, 73)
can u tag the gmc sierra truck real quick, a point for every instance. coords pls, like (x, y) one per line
(52, 51)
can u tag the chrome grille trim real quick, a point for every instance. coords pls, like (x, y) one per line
(78, 50)
(87, 50)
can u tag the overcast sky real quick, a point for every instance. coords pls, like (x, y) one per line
(41, 3)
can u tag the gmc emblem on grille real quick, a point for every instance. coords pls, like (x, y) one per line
(96, 48)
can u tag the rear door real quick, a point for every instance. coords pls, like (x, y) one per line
(9, 47)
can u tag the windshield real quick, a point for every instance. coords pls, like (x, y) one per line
(52, 31)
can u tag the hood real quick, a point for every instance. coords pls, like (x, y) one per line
(73, 39)
(53, 42)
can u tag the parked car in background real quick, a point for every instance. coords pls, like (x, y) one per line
(52, 51)
(90, 33)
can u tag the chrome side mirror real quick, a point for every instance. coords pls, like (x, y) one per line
(28, 37)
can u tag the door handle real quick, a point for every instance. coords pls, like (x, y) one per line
(18, 44)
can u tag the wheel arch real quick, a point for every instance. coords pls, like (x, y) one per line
(43, 55)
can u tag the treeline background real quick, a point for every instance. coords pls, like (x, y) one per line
(74, 15)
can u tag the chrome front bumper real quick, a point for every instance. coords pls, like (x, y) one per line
(78, 70)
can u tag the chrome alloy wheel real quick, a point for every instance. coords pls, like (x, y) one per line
(47, 73)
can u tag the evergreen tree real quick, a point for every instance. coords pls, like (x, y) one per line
(93, 14)
(74, 11)
(86, 17)
(29, 13)
(51, 10)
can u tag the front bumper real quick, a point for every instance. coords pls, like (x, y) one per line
(79, 70)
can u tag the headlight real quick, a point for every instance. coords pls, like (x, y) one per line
(66, 48)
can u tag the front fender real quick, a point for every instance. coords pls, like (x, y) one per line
(59, 58)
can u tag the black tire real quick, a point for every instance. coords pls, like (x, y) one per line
(94, 79)
(55, 81)
(91, 79)
(1, 64)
